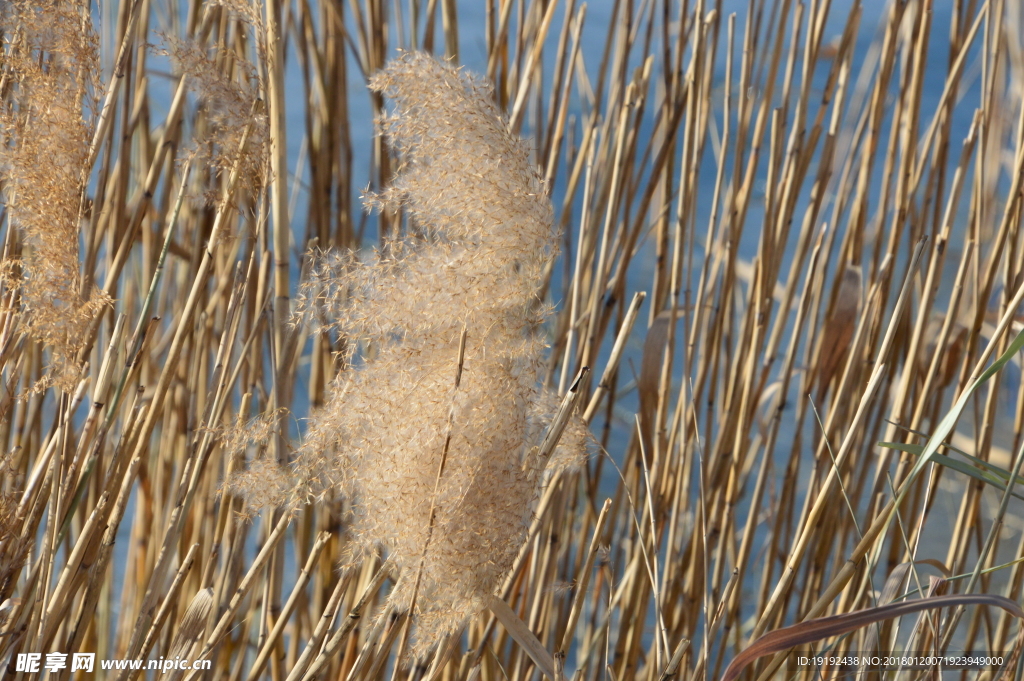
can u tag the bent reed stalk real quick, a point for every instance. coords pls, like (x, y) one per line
(777, 237)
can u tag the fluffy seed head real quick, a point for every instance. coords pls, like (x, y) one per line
(52, 63)
(479, 235)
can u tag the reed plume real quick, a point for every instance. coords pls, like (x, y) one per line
(233, 131)
(472, 258)
(52, 65)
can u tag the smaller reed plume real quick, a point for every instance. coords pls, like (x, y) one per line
(435, 445)
(233, 131)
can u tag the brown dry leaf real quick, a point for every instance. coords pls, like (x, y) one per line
(837, 625)
(650, 366)
(839, 328)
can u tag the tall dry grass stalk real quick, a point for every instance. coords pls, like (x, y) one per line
(778, 236)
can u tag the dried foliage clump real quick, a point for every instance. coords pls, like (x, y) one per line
(52, 63)
(402, 436)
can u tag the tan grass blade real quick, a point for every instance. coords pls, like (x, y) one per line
(518, 630)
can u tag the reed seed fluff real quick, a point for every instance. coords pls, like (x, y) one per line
(479, 234)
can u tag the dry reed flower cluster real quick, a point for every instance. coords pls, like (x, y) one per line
(234, 129)
(480, 233)
(52, 63)
(262, 483)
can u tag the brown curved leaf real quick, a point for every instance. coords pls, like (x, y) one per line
(836, 625)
